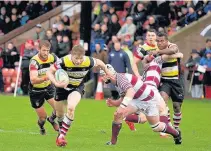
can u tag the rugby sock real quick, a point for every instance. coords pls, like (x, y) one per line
(59, 120)
(134, 118)
(170, 130)
(177, 119)
(115, 132)
(65, 126)
(53, 116)
(169, 117)
(41, 124)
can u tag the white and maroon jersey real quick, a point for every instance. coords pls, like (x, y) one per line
(152, 74)
(126, 81)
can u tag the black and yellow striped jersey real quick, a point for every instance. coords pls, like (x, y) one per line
(42, 66)
(76, 73)
(143, 50)
(170, 69)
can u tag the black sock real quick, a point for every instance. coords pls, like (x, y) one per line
(41, 124)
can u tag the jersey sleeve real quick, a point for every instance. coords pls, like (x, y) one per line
(55, 57)
(140, 52)
(123, 83)
(59, 63)
(92, 62)
(33, 65)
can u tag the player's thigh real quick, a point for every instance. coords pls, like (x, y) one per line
(73, 99)
(152, 113)
(161, 105)
(50, 95)
(37, 98)
(165, 90)
(130, 109)
(177, 93)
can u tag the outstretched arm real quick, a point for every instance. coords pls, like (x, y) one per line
(169, 51)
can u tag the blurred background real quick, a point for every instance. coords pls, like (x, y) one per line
(104, 28)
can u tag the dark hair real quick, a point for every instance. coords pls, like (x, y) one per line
(162, 34)
(208, 40)
(152, 30)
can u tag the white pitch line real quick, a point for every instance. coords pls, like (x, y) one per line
(23, 132)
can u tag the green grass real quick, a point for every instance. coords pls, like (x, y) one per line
(92, 129)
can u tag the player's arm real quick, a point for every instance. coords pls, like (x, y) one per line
(173, 56)
(169, 51)
(128, 97)
(50, 73)
(33, 68)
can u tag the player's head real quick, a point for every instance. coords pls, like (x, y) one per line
(77, 54)
(107, 78)
(162, 40)
(44, 49)
(151, 36)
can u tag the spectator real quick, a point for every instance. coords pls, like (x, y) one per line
(151, 23)
(63, 31)
(121, 63)
(55, 29)
(114, 39)
(103, 12)
(182, 16)
(29, 52)
(14, 11)
(66, 20)
(139, 14)
(43, 8)
(104, 33)
(207, 8)
(10, 56)
(206, 62)
(58, 19)
(52, 39)
(102, 55)
(105, 20)
(127, 29)
(115, 26)
(197, 86)
(125, 48)
(63, 45)
(3, 13)
(15, 23)
(191, 16)
(8, 25)
(40, 32)
(96, 10)
(95, 32)
(208, 47)
(24, 18)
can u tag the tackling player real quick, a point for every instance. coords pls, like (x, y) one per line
(40, 87)
(77, 65)
(139, 97)
(172, 84)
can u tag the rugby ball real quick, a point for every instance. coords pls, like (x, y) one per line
(61, 76)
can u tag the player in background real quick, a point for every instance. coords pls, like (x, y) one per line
(149, 46)
(40, 87)
(139, 97)
(172, 84)
(77, 65)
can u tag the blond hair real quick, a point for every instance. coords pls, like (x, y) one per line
(78, 50)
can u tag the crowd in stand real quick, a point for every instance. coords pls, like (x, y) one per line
(62, 35)
(17, 13)
(119, 29)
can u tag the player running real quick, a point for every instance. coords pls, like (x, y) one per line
(139, 97)
(77, 65)
(40, 87)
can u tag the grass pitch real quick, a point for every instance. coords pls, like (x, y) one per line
(92, 129)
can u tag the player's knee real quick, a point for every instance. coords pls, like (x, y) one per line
(70, 110)
(158, 127)
(42, 118)
(117, 116)
(177, 107)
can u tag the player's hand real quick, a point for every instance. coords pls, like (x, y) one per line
(109, 102)
(62, 84)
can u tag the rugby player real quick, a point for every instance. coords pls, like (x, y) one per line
(172, 84)
(77, 65)
(139, 97)
(40, 87)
